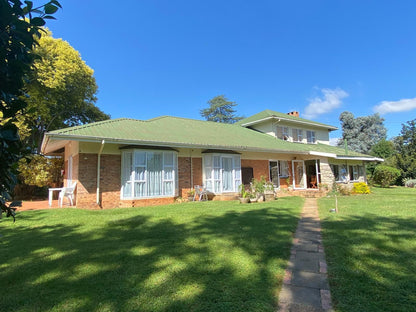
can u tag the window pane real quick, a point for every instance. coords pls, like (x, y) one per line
(139, 189)
(127, 189)
(168, 187)
(154, 174)
(140, 174)
(168, 174)
(217, 173)
(217, 186)
(140, 158)
(217, 163)
(168, 158)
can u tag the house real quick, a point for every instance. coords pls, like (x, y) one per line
(127, 162)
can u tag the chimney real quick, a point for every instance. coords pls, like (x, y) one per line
(294, 113)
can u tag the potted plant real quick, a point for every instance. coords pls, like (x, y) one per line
(253, 198)
(259, 187)
(269, 191)
(191, 195)
(244, 195)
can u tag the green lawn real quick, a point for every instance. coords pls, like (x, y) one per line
(208, 256)
(370, 246)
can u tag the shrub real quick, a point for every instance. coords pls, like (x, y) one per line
(360, 188)
(385, 175)
(409, 182)
(344, 189)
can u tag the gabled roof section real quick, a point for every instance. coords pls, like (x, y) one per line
(177, 132)
(269, 114)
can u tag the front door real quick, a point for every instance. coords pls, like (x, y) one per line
(227, 174)
(299, 176)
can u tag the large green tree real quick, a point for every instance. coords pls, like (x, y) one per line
(20, 27)
(361, 133)
(220, 110)
(62, 90)
(405, 145)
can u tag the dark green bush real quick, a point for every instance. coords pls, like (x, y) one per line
(385, 175)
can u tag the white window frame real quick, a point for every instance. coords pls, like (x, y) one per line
(282, 133)
(297, 135)
(286, 172)
(278, 173)
(212, 166)
(128, 175)
(310, 137)
(343, 172)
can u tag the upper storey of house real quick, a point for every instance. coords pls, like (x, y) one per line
(289, 127)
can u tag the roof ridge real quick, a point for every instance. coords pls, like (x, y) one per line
(93, 124)
(192, 119)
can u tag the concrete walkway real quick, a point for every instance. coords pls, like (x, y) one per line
(305, 286)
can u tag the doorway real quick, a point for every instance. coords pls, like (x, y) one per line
(299, 176)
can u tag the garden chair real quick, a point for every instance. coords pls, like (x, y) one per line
(67, 192)
(200, 193)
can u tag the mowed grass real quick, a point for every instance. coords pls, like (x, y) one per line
(207, 256)
(370, 245)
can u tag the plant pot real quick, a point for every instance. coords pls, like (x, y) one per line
(190, 198)
(269, 196)
(253, 200)
(244, 200)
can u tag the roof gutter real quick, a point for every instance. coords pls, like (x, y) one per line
(170, 144)
(360, 158)
(331, 128)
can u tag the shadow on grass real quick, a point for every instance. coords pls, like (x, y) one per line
(228, 262)
(371, 262)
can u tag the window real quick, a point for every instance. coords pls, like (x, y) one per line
(361, 172)
(353, 173)
(310, 136)
(148, 174)
(340, 173)
(283, 168)
(282, 133)
(274, 173)
(297, 135)
(222, 172)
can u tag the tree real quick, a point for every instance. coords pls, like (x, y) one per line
(361, 133)
(405, 145)
(61, 90)
(220, 110)
(20, 27)
(385, 175)
(383, 149)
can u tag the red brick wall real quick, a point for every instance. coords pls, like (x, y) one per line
(260, 167)
(184, 174)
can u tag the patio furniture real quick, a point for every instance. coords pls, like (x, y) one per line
(313, 182)
(67, 192)
(200, 193)
(51, 190)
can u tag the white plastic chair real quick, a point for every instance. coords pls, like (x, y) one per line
(67, 192)
(200, 193)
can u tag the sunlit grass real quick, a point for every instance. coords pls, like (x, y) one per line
(209, 256)
(370, 246)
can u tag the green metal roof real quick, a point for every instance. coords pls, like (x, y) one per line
(273, 114)
(182, 132)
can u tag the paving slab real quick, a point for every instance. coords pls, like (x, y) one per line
(301, 295)
(309, 279)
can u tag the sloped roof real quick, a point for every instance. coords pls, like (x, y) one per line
(182, 132)
(269, 114)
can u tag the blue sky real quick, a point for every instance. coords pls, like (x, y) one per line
(153, 57)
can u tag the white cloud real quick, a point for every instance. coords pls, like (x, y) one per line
(334, 141)
(330, 99)
(395, 106)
